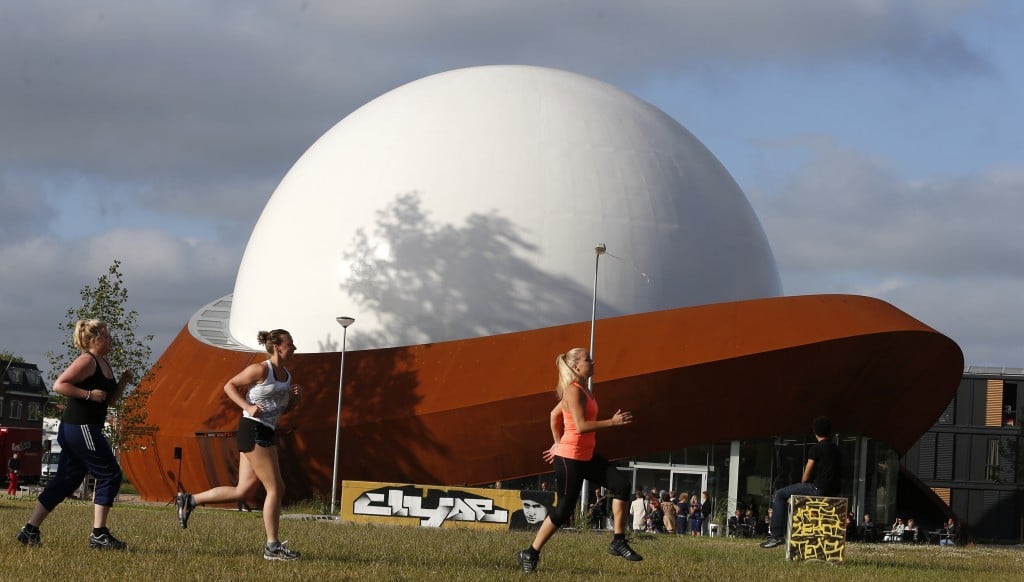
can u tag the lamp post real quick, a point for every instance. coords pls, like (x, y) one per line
(599, 250)
(344, 322)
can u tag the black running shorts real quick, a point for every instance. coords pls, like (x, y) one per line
(251, 433)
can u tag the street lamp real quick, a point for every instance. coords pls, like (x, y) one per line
(344, 321)
(599, 250)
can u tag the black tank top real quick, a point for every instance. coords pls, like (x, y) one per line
(93, 412)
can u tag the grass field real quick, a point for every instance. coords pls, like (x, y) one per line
(227, 545)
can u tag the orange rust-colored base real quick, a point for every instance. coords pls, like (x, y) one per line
(476, 411)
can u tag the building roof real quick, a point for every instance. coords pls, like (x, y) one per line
(22, 378)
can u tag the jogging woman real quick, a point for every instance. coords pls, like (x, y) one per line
(90, 388)
(264, 392)
(573, 422)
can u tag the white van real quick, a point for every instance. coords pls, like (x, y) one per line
(51, 454)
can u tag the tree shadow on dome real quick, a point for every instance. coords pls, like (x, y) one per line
(381, 438)
(424, 279)
(428, 281)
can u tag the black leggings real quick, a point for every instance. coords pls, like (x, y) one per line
(569, 476)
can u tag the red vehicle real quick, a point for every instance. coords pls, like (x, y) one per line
(28, 443)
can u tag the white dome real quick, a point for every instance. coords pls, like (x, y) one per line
(469, 203)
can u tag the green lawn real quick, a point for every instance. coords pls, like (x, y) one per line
(227, 545)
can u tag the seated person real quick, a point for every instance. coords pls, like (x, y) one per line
(950, 534)
(867, 531)
(910, 532)
(895, 534)
(749, 526)
(655, 517)
(735, 521)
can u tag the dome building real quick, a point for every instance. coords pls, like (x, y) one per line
(456, 218)
(469, 203)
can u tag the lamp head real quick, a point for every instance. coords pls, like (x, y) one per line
(345, 321)
(601, 249)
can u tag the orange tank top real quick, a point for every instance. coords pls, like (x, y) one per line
(574, 445)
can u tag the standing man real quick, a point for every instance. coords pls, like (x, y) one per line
(705, 510)
(13, 469)
(638, 509)
(821, 478)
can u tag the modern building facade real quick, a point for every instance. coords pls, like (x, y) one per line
(972, 457)
(746, 473)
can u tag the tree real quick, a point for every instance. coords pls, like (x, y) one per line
(106, 301)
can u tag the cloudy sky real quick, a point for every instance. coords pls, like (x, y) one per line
(881, 142)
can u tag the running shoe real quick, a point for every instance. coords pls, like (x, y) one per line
(278, 551)
(29, 538)
(772, 543)
(527, 560)
(185, 504)
(106, 541)
(621, 548)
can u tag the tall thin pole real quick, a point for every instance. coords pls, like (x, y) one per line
(599, 250)
(345, 322)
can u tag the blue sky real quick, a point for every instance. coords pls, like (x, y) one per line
(879, 142)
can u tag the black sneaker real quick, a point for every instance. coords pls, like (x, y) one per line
(29, 538)
(621, 548)
(185, 504)
(106, 541)
(772, 543)
(527, 560)
(278, 551)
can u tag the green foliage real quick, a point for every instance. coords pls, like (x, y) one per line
(107, 301)
(8, 356)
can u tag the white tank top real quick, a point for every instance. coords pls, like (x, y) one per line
(271, 396)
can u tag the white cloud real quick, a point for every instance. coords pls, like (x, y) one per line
(154, 133)
(849, 211)
(945, 250)
(168, 279)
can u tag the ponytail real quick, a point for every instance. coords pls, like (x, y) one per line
(566, 374)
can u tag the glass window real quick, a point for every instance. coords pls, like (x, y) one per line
(949, 414)
(15, 409)
(34, 411)
(992, 461)
(33, 378)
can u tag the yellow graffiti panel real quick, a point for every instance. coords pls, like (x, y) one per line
(442, 506)
(817, 528)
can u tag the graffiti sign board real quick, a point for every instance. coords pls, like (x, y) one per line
(437, 506)
(816, 528)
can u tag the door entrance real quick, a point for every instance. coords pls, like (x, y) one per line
(689, 478)
(689, 482)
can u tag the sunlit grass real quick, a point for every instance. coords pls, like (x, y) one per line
(227, 545)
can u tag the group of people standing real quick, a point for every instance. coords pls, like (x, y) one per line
(262, 391)
(665, 512)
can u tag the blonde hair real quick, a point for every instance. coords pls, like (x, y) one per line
(566, 374)
(85, 331)
(269, 339)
